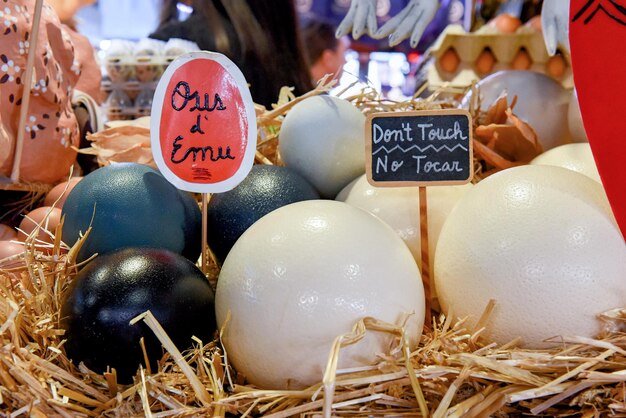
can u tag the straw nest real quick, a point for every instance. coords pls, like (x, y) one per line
(452, 373)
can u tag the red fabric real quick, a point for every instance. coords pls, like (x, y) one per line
(598, 48)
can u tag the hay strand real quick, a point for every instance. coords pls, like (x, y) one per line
(168, 344)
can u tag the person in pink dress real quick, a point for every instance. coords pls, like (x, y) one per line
(64, 61)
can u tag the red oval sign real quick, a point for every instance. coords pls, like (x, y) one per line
(203, 127)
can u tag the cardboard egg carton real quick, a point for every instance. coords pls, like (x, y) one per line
(124, 69)
(503, 46)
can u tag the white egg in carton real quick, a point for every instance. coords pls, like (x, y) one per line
(504, 48)
(133, 70)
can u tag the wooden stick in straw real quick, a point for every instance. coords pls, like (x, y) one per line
(28, 84)
(425, 252)
(205, 263)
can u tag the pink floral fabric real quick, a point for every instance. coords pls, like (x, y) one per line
(51, 127)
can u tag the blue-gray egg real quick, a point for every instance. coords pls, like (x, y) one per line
(321, 138)
(266, 188)
(131, 205)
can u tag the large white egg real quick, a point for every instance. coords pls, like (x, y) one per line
(542, 242)
(399, 207)
(322, 138)
(541, 102)
(305, 274)
(575, 120)
(575, 157)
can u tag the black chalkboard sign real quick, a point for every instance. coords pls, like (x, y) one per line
(419, 148)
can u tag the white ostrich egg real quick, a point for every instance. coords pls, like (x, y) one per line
(542, 102)
(575, 157)
(539, 240)
(399, 207)
(305, 274)
(322, 138)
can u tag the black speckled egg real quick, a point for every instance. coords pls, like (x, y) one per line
(114, 288)
(266, 188)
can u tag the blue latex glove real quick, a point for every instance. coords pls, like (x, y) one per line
(555, 24)
(410, 22)
(360, 19)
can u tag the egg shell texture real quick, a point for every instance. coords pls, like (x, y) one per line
(541, 102)
(267, 187)
(575, 157)
(114, 288)
(7, 233)
(399, 207)
(48, 218)
(506, 23)
(541, 241)
(132, 205)
(322, 139)
(9, 248)
(305, 274)
(59, 193)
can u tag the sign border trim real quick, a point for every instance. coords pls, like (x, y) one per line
(408, 183)
(155, 124)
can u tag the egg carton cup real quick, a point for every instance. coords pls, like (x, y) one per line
(504, 47)
(128, 94)
(125, 113)
(144, 60)
(108, 86)
(128, 69)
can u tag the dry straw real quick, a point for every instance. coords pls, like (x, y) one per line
(452, 373)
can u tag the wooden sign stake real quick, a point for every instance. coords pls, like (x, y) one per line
(28, 84)
(419, 148)
(203, 129)
(205, 247)
(425, 253)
